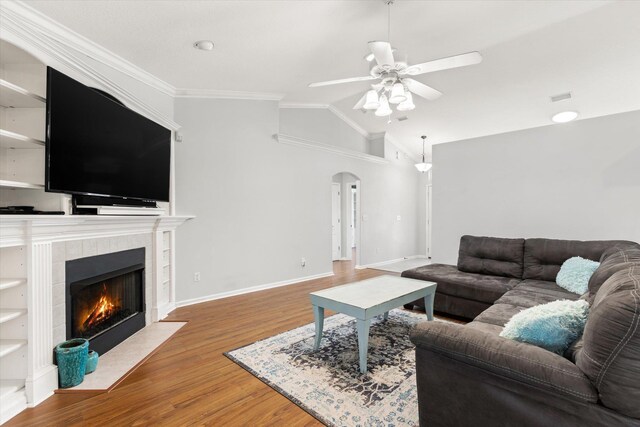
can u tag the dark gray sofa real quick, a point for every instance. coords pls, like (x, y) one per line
(469, 375)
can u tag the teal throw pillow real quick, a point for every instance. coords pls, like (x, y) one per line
(575, 273)
(553, 326)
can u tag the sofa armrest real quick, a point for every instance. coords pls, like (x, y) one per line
(503, 357)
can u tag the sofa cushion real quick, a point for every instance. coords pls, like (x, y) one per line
(553, 326)
(610, 356)
(451, 281)
(498, 314)
(491, 255)
(530, 293)
(613, 260)
(575, 273)
(543, 257)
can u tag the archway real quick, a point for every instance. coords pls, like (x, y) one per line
(345, 217)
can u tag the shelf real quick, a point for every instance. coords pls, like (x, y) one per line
(11, 283)
(7, 314)
(10, 386)
(19, 184)
(9, 346)
(15, 140)
(17, 97)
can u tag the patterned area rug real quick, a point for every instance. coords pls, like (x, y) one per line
(327, 383)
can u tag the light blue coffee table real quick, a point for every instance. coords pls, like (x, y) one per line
(367, 299)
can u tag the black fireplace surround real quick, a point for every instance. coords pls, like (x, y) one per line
(105, 298)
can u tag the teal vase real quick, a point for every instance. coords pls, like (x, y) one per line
(92, 362)
(71, 356)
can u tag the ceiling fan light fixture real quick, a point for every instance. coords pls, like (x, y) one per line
(397, 94)
(383, 109)
(407, 105)
(372, 102)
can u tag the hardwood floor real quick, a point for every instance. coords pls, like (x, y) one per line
(189, 381)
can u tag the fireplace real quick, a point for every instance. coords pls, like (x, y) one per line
(105, 298)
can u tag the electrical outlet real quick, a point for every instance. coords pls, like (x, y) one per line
(303, 262)
(196, 276)
(399, 218)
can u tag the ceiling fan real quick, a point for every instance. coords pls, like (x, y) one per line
(395, 84)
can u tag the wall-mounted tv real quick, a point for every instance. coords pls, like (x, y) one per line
(97, 146)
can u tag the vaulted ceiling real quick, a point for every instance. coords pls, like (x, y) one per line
(532, 50)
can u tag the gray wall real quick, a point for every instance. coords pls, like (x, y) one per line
(578, 180)
(261, 205)
(321, 125)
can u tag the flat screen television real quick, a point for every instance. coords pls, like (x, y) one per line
(97, 146)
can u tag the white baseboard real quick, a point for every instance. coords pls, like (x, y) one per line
(159, 313)
(251, 289)
(391, 261)
(40, 387)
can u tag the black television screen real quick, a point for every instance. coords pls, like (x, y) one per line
(96, 146)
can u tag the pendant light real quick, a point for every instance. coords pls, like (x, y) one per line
(423, 166)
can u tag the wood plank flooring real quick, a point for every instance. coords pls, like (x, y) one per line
(188, 381)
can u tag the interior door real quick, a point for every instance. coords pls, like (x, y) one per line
(336, 234)
(428, 211)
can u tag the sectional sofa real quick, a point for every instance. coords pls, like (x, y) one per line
(469, 375)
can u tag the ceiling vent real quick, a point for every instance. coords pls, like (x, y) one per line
(403, 118)
(561, 97)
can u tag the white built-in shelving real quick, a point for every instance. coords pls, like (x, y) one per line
(13, 330)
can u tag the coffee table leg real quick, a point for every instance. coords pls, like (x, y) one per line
(318, 314)
(386, 315)
(363, 342)
(428, 305)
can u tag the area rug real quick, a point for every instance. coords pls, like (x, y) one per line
(327, 383)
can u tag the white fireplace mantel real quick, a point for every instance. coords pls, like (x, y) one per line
(30, 262)
(16, 230)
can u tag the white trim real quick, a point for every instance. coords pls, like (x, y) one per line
(41, 36)
(339, 114)
(306, 143)
(355, 126)
(376, 135)
(301, 105)
(257, 288)
(391, 261)
(82, 44)
(227, 94)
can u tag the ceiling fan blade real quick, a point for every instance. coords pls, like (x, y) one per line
(422, 89)
(463, 60)
(360, 103)
(349, 80)
(382, 52)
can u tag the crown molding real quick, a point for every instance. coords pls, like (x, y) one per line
(339, 114)
(400, 146)
(314, 145)
(355, 126)
(82, 44)
(44, 37)
(376, 135)
(227, 94)
(302, 105)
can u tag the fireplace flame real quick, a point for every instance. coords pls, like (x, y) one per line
(103, 309)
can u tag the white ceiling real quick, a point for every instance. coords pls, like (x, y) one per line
(531, 49)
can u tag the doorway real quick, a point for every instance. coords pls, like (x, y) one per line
(345, 215)
(428, 224)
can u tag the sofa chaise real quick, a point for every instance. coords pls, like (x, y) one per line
(469, 375)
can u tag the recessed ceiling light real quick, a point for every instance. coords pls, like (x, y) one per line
(203, 45)
(564, 116)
